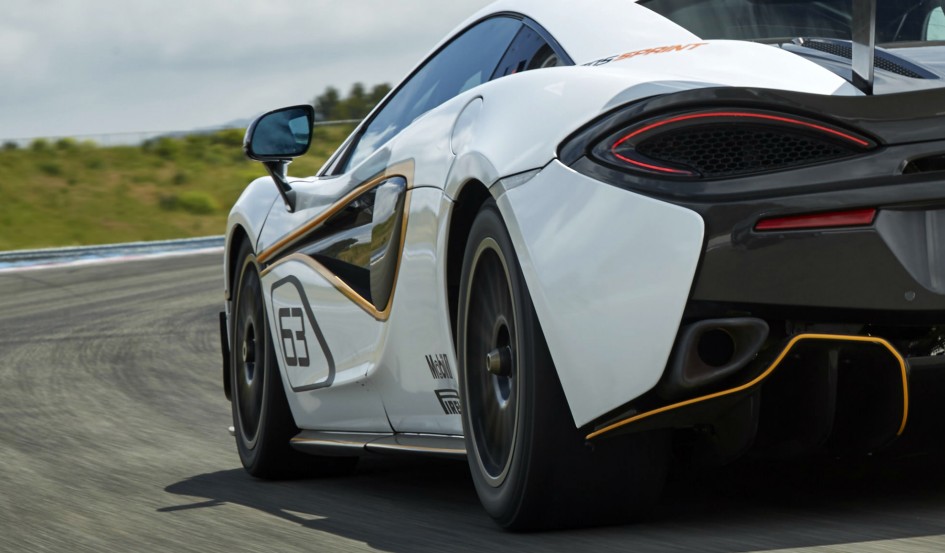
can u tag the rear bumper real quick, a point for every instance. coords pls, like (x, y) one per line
(852, 313)
(896, 265)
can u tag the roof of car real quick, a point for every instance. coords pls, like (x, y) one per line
(594, 29)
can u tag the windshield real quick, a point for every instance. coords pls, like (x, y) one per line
(896, 20)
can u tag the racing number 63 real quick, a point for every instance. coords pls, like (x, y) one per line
(292, 328)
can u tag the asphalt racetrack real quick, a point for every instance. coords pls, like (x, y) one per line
(114, 438)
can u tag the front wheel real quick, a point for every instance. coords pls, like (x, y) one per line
(261, 417)
(531, 466)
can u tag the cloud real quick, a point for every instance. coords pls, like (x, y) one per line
(77, 67)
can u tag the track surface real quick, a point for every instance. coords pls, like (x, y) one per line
(113, 428)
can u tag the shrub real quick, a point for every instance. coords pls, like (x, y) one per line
(180, 177)
(195, 202)
(50, 168)
(232, 138)
(167, 148)
(67, 144)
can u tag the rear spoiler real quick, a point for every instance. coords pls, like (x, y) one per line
(864, 44)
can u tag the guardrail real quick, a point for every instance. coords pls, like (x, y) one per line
(136, 138)
(18, 258)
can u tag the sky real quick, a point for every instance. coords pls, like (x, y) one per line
(88, 67)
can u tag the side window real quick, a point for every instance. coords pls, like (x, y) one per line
(528, 51)
(935, 25)
(467, 61)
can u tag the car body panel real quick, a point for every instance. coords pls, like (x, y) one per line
(350, 337)
(419, 373)
(589, 31)
(609, 273)
(514, 132)
(611, 270)
(249, 215)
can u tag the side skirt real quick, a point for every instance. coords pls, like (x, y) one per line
(344, 444)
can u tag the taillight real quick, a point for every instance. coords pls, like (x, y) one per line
(834, 219)
(726, 143)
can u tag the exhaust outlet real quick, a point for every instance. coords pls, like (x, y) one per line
(709, 351)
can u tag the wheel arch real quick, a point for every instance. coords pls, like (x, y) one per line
(465, 207)
(237, 237)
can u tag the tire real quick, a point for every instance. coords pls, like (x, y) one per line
(261, 416)
(531, 466)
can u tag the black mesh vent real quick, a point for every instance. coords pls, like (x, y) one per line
(893, 67)
(882, 62)
(731, 150)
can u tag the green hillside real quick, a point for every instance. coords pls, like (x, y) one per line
(68, 193)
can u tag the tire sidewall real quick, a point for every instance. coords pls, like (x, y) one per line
(250, 451)
(501, 501)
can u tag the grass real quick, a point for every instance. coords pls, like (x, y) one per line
(67, 193)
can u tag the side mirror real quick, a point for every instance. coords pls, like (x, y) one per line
(275, 138)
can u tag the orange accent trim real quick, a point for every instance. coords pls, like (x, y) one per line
(767, 372)
(405, 169)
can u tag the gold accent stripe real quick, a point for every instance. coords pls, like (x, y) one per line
(767, 372)
(405, 169)
(339, 284)
(342, 286)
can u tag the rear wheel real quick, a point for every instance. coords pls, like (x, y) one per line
(261, 417)
(531, 466)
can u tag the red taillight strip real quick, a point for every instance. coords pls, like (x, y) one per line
(848, 137)
(856, 218)
(651, 167)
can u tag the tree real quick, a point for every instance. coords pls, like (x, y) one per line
(329, 106)
(378, 93)
(354, 106)
(326, 104)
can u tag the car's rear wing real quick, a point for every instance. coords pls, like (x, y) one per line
(864, 44)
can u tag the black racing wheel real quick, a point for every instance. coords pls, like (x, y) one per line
(261, 417)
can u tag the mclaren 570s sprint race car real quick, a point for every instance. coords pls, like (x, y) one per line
(582, 237)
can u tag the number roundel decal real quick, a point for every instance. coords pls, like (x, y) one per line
(299, 340)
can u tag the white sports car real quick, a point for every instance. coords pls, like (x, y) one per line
(580, 236)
